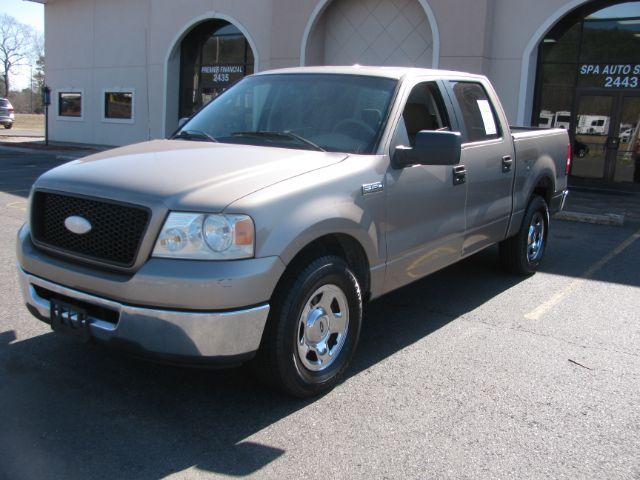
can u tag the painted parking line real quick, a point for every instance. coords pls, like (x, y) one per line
(21, 205)
(19, 190)
(538, 312)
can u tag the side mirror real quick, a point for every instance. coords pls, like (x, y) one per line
(430, 148)
(182, 121)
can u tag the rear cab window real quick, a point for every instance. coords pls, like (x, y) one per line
(479, 117)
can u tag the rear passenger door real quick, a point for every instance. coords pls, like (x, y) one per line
(487, 154)
(425, 207)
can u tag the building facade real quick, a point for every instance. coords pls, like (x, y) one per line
(123, 71)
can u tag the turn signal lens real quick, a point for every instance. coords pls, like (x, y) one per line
(244, 232)
(567, 167)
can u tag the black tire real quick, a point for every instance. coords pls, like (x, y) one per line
(278, 361)
(514, 251)
(8, 126)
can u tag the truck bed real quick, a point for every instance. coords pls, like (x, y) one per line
(541, 150)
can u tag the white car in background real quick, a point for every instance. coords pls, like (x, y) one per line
(7, 116)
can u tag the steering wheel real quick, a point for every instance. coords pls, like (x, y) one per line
(351, 125)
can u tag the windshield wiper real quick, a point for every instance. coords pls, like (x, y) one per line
(287, 135)
(194, 134)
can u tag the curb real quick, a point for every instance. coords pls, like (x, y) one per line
(60, 154)
(611, 219)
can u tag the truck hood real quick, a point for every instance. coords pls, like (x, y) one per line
(183, 175)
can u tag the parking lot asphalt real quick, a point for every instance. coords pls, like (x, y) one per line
(469, 373)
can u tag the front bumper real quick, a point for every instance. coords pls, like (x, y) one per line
(176, 336)
(174, 310)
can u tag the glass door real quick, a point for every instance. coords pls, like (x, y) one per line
(591, 129)
(626, 161)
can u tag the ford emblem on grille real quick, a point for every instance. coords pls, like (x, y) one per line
(77, 225)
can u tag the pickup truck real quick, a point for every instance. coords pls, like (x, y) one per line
(256, 233)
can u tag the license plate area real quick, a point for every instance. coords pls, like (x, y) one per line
(70, 319)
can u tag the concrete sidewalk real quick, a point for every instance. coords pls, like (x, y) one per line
(63, 150)
(601, 206)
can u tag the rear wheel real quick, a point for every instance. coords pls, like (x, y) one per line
(8, 126)
(523, 253)
(313, 329)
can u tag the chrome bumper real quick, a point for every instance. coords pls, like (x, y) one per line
(173, 335)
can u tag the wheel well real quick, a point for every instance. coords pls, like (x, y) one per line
(340, 245)
(544, 188)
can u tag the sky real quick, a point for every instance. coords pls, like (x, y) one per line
(32, 14)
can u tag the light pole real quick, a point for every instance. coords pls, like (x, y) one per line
(31, 89)
(46, 101)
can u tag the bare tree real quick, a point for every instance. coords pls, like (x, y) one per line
(16, 47)
(37, 70)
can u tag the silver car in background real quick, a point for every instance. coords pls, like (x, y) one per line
(7, 116)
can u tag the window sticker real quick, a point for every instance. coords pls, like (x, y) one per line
(487, 117)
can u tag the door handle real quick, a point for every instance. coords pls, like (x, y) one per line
(459, 174)
(507, 163)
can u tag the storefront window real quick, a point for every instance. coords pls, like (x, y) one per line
(118, 105)
(70, 104)
(562, 47)
(614, 41)
(214, 56)
(598, 49)
(588, 82)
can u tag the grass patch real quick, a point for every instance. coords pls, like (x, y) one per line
(29, 121)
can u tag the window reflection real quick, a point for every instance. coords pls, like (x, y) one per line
(589, 69)
(70, 104)
(214, 56)
(607, 36)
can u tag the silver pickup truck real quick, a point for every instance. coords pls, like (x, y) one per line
(256, 233)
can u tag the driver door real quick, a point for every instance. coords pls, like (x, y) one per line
(425, 209)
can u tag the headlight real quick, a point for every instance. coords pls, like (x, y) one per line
(198, 236)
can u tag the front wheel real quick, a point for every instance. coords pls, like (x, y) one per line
(313, 329)
(523, 253)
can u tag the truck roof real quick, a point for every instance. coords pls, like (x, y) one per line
(389, 72)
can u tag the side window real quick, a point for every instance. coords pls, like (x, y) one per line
(479, 116)
(424, 110)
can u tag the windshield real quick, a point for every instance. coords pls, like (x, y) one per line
(336, 113)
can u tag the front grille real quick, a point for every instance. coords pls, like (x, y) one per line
(116, 233)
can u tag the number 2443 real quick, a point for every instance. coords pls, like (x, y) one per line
(621, 82)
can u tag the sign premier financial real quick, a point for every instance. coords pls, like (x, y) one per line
(223, 73)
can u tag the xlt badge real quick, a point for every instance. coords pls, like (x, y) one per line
(372, 188)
